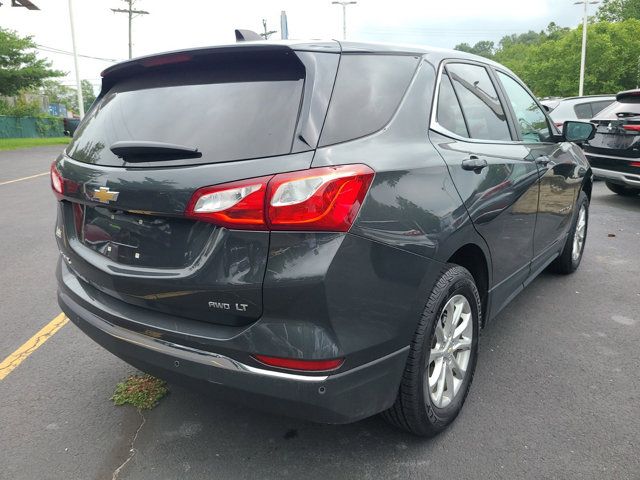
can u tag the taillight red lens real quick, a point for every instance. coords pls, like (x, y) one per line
(57, 183)
(233, 205)
(327, 198)
(635, 164)
(632, 128)
(321, 199)
(302, 365)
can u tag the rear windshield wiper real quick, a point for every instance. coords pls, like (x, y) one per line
(145, 151)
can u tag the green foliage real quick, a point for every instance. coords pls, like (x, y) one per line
(88, 96)
(142, 391)
(484, 48)
(549, 62)
(20, 68)
(618, 10)
(22, 108)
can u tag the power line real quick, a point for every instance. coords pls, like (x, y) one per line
(45, 48)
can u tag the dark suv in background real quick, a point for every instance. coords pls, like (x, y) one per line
(317, 229)
(614, 152)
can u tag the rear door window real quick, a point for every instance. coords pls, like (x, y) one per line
(230, 111)
(449, 114)
(367, 92)
(531, 120)
(485, 117)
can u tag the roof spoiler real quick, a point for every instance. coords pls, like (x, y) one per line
(246, 35)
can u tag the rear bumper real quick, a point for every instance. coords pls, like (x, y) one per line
(339, 398)
(622, 178)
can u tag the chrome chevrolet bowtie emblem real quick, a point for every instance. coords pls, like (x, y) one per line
(104, 195)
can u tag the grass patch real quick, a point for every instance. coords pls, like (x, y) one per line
(142, 391)
(14, 143)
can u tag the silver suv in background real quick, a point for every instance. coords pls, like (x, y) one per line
(576, 108)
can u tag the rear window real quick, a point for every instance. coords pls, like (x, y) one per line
(367, 92)
(616, 108)
(228, 111)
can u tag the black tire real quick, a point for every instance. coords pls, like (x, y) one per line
(566, 263)
(622, 190)
(414, 409)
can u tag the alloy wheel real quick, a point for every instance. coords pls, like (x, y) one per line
(580, 233)
(450, 351)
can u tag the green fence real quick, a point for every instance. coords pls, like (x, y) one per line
(30, 127)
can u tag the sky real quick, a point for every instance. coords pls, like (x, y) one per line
(178, 24)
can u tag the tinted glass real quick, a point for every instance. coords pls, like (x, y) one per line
(449, 114)
(611, 112)
(485, 116)
(367, 92)
(583, 110)
(532, 122)
(227, 114)
(598, 106)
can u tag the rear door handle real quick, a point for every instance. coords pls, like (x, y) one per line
(543, 160)
(474, 163)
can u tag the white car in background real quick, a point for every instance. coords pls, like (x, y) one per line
(576, 108)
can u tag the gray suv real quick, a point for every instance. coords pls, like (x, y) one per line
(316, 229)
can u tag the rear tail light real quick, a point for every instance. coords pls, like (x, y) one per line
(326, 199)
(632, 128)
(635, 164)
(302, 365)
(233, 205)
(57, 183)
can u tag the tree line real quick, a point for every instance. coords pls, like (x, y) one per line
(549, 61)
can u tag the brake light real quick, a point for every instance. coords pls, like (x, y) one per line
(326, 198)
(303, 365)
(57, 183)
(632, 128)
(320, 199)
(233, 205)
(635, 164)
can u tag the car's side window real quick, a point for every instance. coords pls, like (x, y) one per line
(532, 121)
(449, 113)
(583, 110)
(485, 117)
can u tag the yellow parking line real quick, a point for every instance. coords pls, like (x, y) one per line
(31, 345)
(23, 178)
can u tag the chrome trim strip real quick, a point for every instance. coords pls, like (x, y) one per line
(186, 353)
(627, 178)
(599, 155)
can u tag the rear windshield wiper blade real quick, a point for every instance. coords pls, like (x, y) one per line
(145, 151)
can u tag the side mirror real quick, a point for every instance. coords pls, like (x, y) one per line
(578, 131)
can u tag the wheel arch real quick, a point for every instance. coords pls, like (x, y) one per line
(472, 257)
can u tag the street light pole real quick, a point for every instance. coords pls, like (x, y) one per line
(583, 57)
(75, 62)
(344, 16)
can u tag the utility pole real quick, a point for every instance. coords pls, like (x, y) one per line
(132, 14)
(284, 27)
(266, 33)
(344, 16)
(583, 58)
(75, 62)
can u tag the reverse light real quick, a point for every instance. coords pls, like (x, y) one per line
(317, 199)
(57, 183)
(327, 198)
(233, 205)
(301, 365)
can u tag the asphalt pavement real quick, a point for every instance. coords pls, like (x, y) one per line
(556, 393)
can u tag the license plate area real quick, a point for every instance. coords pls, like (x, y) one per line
(140, 240)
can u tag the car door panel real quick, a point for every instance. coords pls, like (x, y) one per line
(502, 201)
